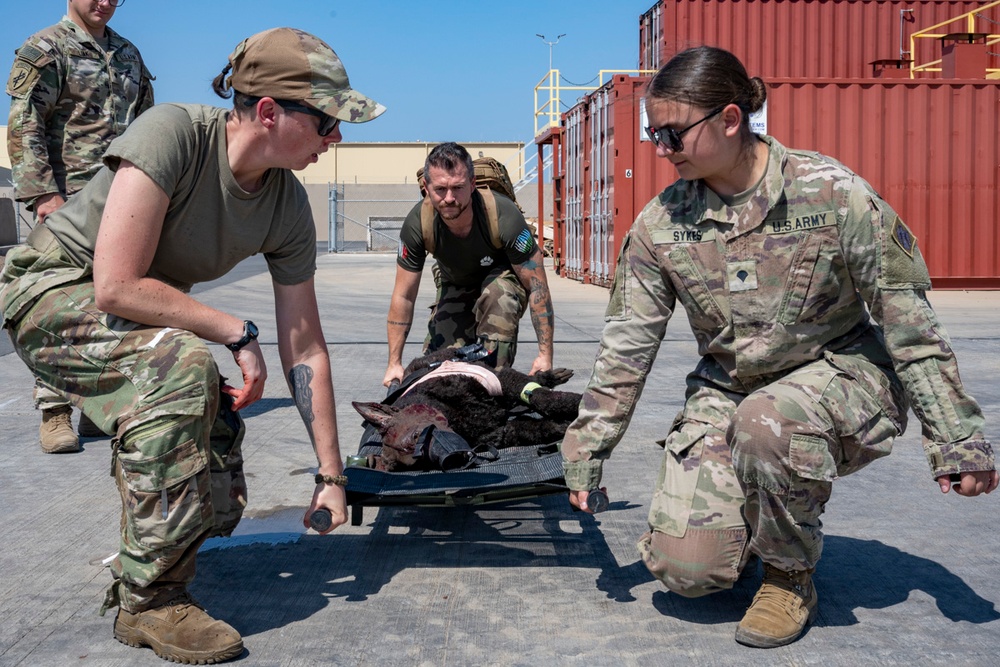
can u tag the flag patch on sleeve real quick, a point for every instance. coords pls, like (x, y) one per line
(524, 242)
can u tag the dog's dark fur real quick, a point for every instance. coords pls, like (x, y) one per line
(466, 408)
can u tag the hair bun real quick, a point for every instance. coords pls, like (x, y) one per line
(758, 94)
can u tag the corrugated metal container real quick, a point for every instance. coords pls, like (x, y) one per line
(931, 149)
(607, 176)
(803, 38)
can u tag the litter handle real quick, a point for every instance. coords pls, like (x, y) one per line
(597, 501)
(321, 520)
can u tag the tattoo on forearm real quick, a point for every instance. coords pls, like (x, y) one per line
(300, 380)
(541, 312)
(399, 324)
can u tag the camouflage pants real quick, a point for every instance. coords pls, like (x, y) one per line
(177, 452)
(489, 313)
(752, 473)
(47, 398)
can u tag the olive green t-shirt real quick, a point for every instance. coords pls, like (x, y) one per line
(466, 262)
(212, 223)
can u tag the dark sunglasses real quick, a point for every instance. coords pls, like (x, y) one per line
(327, 124)
(671, 138)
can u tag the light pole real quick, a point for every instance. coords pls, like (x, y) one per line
(551, 44)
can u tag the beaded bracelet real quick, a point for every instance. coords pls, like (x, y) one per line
(339, 480)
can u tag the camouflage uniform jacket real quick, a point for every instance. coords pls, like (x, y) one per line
(70, 98)
(767, 287)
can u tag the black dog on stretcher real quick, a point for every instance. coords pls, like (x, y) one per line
(452, 408)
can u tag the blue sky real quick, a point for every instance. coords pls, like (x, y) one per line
(445, 69)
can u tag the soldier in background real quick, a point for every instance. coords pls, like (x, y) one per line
(806, 296)
(489, 269)
(75, 86)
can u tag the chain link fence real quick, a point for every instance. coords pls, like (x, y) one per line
(367, 218)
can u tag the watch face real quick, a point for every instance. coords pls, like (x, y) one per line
(251, 329)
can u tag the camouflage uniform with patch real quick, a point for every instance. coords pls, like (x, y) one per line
(796, 384)
(70, 98)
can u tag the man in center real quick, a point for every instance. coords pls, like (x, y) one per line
(487, 273)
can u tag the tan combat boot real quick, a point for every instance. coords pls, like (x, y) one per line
(783, 606)
(56, 432)
(179, 631)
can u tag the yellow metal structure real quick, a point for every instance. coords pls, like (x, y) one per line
(549, 89)
(969, 26)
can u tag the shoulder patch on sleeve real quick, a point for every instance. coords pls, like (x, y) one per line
(23, 76)
(31, 52)
(524, 243)
(902, 237)
(902, 264)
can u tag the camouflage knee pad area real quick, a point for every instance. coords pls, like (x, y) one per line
(700, 563)
(698, 537)
(499, 308)
(758, 469)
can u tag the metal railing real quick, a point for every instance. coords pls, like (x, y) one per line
(969, 19)
(550, 88)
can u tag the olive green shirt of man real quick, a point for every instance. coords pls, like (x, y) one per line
(467, 261)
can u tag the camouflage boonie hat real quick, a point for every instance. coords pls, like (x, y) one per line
(289, 64)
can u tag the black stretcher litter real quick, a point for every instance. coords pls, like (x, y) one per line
(518, 473)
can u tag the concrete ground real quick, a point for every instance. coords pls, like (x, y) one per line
(909, 576)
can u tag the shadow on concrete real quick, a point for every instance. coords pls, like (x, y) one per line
(269, 585)
(852, 574)
(265, 405)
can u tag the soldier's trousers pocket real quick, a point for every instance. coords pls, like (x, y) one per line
(697, 486)
(165, 497)
(677, 484)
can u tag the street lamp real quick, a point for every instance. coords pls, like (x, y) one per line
(551, 44)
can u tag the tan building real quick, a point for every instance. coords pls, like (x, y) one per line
(360, 192)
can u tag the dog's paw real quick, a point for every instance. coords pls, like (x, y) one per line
(552, 377)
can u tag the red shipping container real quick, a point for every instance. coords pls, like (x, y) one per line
(807, 38)
(930, 148)
(605, 176)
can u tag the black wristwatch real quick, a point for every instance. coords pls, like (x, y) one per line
(249, 333)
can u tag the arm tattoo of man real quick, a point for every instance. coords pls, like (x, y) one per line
(542, 321)
(300, 379)
(406, 332)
